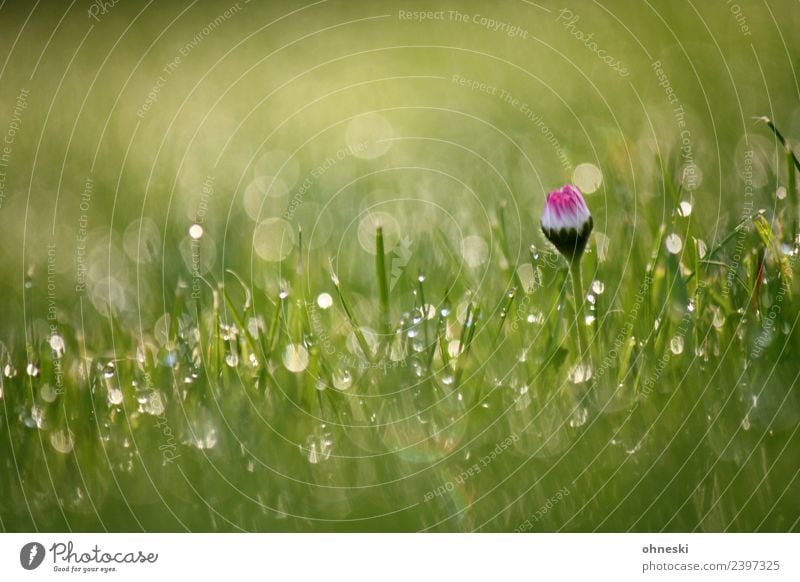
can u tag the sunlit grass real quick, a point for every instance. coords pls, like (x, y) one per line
(443, 403)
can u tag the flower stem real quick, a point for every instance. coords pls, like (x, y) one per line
(577, 295)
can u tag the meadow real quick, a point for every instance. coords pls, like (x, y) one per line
(279, 267)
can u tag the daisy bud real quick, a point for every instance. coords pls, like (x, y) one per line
(566, 221)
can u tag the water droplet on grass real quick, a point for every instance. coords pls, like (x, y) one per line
(196, 231)
(318, 448)
(232, 360)
(62, 441)
(780, 193)
(674, 243)
(685, 209)
(48, 393)
(579, 417)
(342, 379)
(719, 318)
(295, 358)
(676, 345)
(581, 372)
(324, 300)
(57, 345)
(598, 287)
(32, 370)
(204, 437)
(109, 370)
(152, 403)
(115, 397)
(37, 415)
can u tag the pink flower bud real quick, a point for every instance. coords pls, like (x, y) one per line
(567, 222)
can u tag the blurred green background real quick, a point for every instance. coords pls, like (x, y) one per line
(180, 180)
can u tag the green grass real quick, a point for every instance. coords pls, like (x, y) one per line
(400, 349)
(688, 421)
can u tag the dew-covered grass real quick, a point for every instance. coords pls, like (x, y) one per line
(331, 308)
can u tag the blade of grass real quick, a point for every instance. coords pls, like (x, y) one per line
(383, 282)
(362, 342)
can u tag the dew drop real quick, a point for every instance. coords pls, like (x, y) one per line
(57, 345)
(115, 397)
(109, 370)
(196, 232)
(232, 360)
(317, 448)
(62, 441)
(676, 345)
(746, 422)
(295, 357)
(324, 300)
(598, 287)
(48, 393)
(702, 248)
(685, 208)
(579, 417)
(153, 403)
(674, 243)
(581, 372)
(719, 319)
(37, 415)
(780, 193)
(342, 379)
